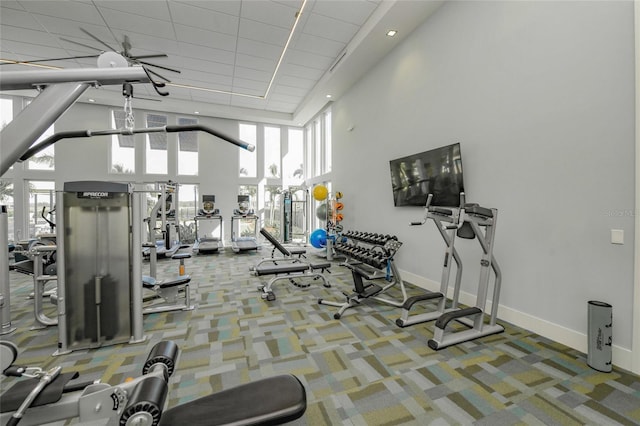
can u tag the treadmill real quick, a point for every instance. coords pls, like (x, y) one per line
(207, 222)
(244, 227)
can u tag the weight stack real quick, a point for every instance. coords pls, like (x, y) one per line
(599, 330)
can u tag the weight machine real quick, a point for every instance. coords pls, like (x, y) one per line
(48, 396)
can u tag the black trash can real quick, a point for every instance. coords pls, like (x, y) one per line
(600, 336)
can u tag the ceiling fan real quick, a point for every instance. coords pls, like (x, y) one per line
(114, 57)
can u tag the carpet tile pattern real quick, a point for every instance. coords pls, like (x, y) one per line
(359, 370)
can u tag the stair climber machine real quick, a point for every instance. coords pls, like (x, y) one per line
(244, 226)
(209, 235)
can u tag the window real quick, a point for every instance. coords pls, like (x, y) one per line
(293, 160)
(187, 209)
(187, 149)
(45, 159)
(6, 199)
(270, 215)
(327, 141)
(6, 112)
(272, 152)
(41, 201)
(248, 160)
(156, 158)
(123, 150)
(319, 145)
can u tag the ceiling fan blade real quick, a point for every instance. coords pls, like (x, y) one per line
(97, 39)
(48, 60)
(158, 75)
(158, 55)
(159, 66)
(126, 46)
(82, 44)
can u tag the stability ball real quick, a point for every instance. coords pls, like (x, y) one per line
(320, 192)
(322, 213)
(318, 238)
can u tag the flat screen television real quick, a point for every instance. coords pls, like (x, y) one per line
(437, 172)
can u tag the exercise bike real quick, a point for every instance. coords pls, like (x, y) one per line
(49, 396)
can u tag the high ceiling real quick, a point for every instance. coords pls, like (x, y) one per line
(242, 59)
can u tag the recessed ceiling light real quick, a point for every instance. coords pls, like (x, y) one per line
(196, 112)
(391, 33)
(91, 100)
(328, 96)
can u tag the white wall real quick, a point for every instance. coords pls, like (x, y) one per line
(541, 97)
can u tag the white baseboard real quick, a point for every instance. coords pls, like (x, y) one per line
(622, 357)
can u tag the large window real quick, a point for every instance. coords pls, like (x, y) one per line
(156, 158)
(252, 192)
(293, 160)
(41, 202)
(319, 143)
(6, 199)
(123, 149)
(272, 157)
(6, 112)
(187, 208)
(187, 149)
(270, 214)
(45, 159)
(248, 160)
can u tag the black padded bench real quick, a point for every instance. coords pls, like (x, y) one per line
(269, 401)
(168, 291)
(288, 266)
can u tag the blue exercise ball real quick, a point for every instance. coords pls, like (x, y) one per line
(318, 238)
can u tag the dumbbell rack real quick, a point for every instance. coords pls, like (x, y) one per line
(370, 258)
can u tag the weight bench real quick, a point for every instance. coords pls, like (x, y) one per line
(169, 292)
(287, 268)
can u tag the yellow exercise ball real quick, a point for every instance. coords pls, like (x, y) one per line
(320, 192)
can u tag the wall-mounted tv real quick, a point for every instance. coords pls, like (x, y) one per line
(437, 172)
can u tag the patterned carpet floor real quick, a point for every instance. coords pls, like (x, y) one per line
(359, 370)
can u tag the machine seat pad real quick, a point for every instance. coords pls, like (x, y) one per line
(297, 251)
(270, 401)
(447, 317)
(281, 268)
(323, 265)
(181, 255)
(480, 211)
(426, 296)
(150, 282)
(13, 398)
(440, 211)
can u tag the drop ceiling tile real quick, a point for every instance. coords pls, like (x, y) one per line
(332, 29)
(17, 18)
(251, 74)
(210, 20)
(254, 63)
(211, 55)
(135, 24)
(231, 7)
(319, 45)
(258, 49)
(74, 11)
(352, 11)
(205, 38)
(308, 59)
(262, 32)
(279, 14)
(148, 9)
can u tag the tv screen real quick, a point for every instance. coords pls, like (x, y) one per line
(437, 172)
